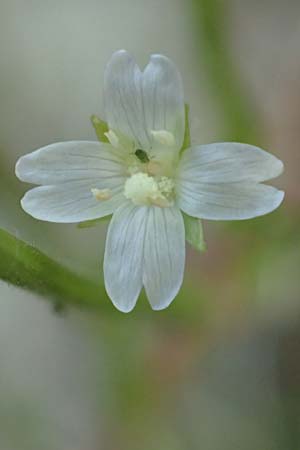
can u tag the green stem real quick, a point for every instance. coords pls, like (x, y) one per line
(24, 266)
(210, 25)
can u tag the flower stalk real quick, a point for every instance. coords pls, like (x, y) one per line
(239, 118)
(25, 266)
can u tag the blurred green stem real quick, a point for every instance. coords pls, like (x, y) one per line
(239, 120)
(24, 266)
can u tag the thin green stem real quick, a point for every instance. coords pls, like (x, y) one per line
(24, 266)
(210, 19)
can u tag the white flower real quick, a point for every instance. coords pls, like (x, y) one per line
(141, 178)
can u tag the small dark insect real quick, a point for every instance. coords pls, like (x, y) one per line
(142, 155)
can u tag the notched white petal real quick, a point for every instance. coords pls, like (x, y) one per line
(138, 102)
(223, 182)
(145, 245)
(68, 172)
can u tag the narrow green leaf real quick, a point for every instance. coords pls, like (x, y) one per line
(194, 232)
(100, 128)
(93, 223)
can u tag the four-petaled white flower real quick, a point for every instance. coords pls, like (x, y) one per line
(143, 179)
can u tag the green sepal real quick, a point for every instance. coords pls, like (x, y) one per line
(93, 223)
(194, 232)
(193, 227)
(187, 135)
(100, 128)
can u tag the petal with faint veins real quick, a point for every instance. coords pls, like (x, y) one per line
(123, 259)
(228, 162)
(123, 98)
(72, 201)
(227, 201)
(163, 98)
(221, 182)
(164, 255)
(138, 103)
(73, 160)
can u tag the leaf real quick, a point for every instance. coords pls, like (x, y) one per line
(187, 135)
(100, 128)
(93, 223)
(194, 232)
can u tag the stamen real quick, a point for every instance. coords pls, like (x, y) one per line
(101, 194)
(143, 189)
(162, 202)
(164, 137)
(112, 137)
(154, 168)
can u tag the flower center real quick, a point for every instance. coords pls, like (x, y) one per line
(143, 189)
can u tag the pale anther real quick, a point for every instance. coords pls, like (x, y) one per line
(101, 194)
(164, 137)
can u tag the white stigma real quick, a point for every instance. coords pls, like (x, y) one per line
(143, 189)
(101, 194)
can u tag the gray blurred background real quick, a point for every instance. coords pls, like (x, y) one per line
(223, 373)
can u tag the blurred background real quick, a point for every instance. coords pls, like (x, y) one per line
(220, 368)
